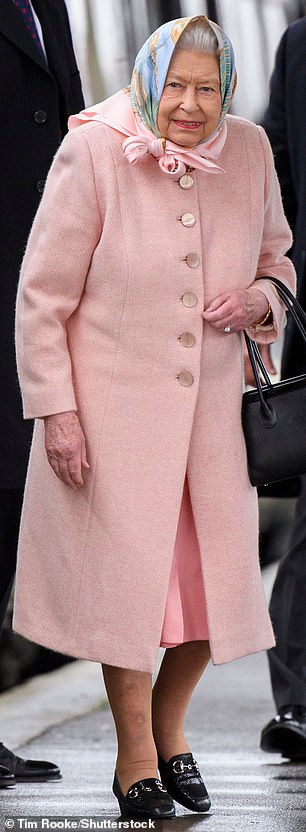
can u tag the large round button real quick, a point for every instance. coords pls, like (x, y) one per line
(40, 185)
(185, 378)
(189, 299)
(40, 116)
(192, 260)
(186, 181)
(187, 339)
(188, 220)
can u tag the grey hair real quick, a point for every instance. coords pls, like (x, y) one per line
(199, 37)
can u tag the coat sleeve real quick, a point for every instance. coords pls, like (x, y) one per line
(276, 125)
(64, 235)
(276, 240)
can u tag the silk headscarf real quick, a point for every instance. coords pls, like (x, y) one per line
(134, 111)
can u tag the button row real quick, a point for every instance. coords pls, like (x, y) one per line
(189, 299)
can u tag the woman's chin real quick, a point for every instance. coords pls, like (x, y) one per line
(185, 136)
(186, 139)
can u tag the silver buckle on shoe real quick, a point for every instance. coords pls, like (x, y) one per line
(180, 765)
(132, 793)
(183, 767)
(135, 791)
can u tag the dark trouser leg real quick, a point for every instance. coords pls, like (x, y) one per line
(10, 510)
(288, 612)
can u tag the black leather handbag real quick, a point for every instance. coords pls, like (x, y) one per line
(274, 415)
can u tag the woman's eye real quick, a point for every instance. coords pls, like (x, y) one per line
(174, 85)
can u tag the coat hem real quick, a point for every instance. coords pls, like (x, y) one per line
(221, 656)
(218, 656)
(88, 655)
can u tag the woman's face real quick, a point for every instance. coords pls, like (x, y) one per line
(190, 105)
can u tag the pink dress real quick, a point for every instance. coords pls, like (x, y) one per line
(185, 612)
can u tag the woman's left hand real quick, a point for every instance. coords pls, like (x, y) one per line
(237, 309)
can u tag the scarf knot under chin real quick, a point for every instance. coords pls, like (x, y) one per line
(174, 159)
(136, 147)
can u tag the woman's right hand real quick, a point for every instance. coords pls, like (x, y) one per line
(65, 447)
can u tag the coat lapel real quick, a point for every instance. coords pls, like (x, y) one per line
(55, 32)
(13, 29)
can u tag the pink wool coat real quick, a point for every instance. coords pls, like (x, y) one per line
(99, 319)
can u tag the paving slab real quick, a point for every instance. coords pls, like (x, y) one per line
(29, 709)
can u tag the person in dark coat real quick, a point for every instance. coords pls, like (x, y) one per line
(39, 88)
(285, 124)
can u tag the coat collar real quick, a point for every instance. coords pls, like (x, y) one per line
(14, 30)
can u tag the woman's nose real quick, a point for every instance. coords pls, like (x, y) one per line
(189, 100)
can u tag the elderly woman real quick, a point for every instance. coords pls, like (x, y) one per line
(140, 526)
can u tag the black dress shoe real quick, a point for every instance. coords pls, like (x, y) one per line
(286, 733)
(146, 799)
(7, 779)
(182, 778)
(28, 771)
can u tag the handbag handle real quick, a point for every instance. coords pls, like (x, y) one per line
(292, 304)
(268, 413)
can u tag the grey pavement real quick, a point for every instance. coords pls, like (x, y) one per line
(64, 717)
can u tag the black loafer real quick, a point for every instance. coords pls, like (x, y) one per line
(146, 799)
(7, 779)
(286, 733)
(28, 771)
(182, 778)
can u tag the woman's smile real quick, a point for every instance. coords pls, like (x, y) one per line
(188, 125)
